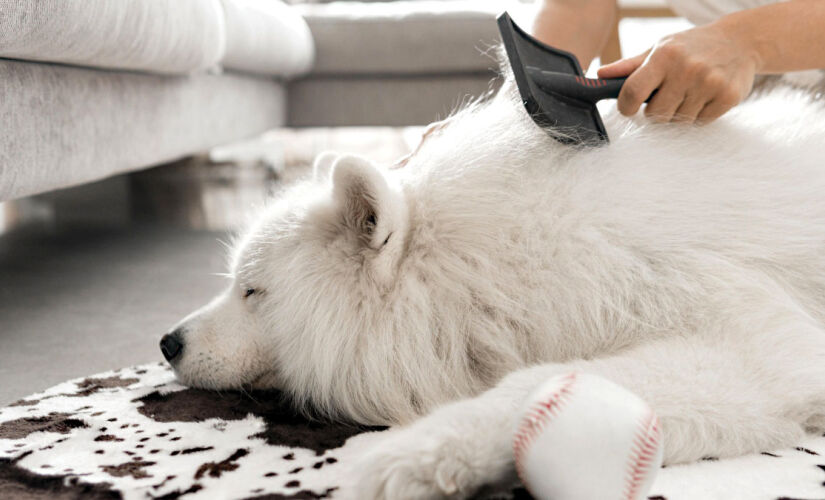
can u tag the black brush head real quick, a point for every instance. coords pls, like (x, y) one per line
(568, 120)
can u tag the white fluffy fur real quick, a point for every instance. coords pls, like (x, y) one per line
(685, 263)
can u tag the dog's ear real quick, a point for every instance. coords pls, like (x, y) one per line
(322, 165)
(367, 204)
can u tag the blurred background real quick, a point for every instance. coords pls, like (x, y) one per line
(137, 135)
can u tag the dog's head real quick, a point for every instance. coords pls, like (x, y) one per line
(308, 280)
(373, 293)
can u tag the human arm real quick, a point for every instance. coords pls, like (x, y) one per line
(703, 72)
(578, 26)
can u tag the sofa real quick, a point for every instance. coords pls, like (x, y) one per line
(395, 63)
(94, 88)
(91, 88)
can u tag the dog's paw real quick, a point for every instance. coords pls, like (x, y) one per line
(413, 465)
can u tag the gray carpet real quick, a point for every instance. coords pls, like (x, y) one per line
(76, 301)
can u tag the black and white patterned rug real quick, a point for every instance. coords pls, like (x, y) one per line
(135, 433)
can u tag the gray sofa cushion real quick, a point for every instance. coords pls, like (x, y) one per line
(381, 100)
(404, 37)
(266, 36)
(156, 35)
(64, 126)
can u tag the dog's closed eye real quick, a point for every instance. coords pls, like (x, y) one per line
(370, 223)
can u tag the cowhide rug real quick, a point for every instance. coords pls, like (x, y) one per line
(136, 433)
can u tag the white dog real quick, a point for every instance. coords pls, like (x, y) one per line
(684, 263)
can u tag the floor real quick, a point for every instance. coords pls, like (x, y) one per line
(83, 300)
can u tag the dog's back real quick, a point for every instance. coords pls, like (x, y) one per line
(582, 252)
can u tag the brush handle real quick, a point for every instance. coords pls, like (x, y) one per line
(590, 90)
(611, 86)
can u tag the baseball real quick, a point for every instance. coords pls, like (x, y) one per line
(584, 437)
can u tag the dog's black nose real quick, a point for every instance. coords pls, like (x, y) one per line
(171, 345)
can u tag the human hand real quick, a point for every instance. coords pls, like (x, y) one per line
(700, 74)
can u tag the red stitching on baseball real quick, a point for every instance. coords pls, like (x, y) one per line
(537, 417)
(642, 454)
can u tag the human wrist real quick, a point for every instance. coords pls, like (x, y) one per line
(737, 29)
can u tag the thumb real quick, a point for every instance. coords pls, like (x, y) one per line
(622, 67)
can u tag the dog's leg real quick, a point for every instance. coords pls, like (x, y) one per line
(724, 392)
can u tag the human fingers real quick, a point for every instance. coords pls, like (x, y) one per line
(725, 97)
(622, 67)
(668, 98)
(639, 85)
(690, 107)
(714, 109)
